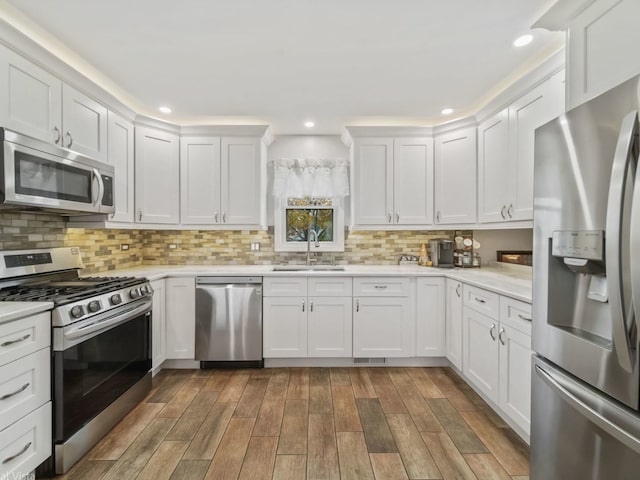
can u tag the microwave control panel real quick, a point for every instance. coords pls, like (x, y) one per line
(586, 244)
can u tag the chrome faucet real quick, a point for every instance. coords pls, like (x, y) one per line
(316, 244)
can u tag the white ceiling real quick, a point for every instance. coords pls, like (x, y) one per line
(281, 62)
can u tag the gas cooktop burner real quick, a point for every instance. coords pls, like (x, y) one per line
(63, 292)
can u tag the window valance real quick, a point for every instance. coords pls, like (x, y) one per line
(310, 177)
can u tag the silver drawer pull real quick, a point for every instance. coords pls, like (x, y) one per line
(357, 305)
(17, 340)
(303, 305)
(479, 300)
(528, 319)
(380, 287)
(493, 327)
(311, 305)
(13, 457)
(13, 394)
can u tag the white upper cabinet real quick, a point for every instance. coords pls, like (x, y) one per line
(495, 186)
(30, 98)
(413, 181)
(455, 177)
(505, 152)
(373, 193)
(200, 180)
(532, 110)
(36, 103)
(221, 181)
(157, 180)
(601, 44)
(393, 181)
(120, 155)
(241, 181)
(84, 124)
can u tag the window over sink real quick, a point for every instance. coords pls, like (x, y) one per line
(295, 218)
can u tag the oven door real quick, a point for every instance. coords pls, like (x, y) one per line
(58, 179)
(96, 361)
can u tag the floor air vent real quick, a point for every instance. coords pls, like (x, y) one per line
(369, 361)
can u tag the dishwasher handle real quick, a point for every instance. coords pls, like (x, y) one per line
(228, 280)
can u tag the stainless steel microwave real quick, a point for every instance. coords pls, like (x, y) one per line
(39, 176)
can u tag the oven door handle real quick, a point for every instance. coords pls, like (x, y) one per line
(106, 323)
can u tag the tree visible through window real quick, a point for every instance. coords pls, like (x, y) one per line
(300, 220)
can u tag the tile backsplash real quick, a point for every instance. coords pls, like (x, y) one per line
(101, 248)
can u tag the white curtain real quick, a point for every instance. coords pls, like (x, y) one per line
(302, 177)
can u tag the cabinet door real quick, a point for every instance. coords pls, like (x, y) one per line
(84, 123)
(241, 181)
(159, 326)
(329, 327)
(480, 358)
(120, 155)
(495, 170)
(157, 176)
(284, 327)
(200, 181)
(599, 42)
(453, 348)
(413, 181)
(180, 310)
(372, 181)
(540, 105)
(30, 98)
(430, 317)
(383, 327)
(455, 177)
(515, 375)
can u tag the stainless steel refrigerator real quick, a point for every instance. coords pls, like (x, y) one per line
(586, 289)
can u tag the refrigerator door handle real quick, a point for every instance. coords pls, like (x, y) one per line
(623, 162)
(593, 407)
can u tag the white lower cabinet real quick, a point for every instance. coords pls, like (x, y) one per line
(329, 327)
(384, 322)
(383, 327)
(453, 330)
(430, 317)
(159, 325)
(497, 353)
(180, 317)
(481, 354)
(307, 326)
(25, 394)
(284, 324)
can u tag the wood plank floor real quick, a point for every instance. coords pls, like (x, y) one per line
(308, 423)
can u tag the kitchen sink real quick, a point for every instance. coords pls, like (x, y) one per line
(308, 268)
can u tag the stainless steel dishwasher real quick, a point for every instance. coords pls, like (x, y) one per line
(229, 321)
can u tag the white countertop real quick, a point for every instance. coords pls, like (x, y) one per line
(13, 310)
(511, 282)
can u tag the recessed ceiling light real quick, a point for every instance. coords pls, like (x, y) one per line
(447, 111)
(165, 109)
(523, 40)
(309, 124)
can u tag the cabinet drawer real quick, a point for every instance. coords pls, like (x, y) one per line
(24, 386)
(330, 287)
(516, 314)
(285, 287)
(26, 444)
(482, 301)
(24, 336)
(381, 287)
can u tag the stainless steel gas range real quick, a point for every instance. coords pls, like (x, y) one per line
(101, 337)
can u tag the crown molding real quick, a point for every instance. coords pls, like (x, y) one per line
(561, 14)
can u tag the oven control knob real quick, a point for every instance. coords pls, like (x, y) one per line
(94, 306)
(115, 299)
(134, 293)
(145, 290)
(77, 311)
